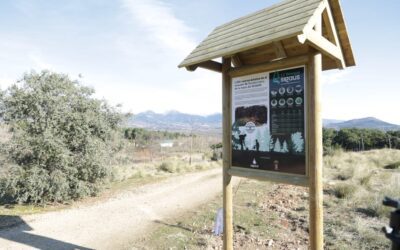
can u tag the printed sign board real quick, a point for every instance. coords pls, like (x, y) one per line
(268, 121)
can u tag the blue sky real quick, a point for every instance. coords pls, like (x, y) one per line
(128, 50)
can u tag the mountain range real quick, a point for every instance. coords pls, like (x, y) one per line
(177, 121)
(367, 122)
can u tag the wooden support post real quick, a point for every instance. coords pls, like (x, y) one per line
(227, 153)
(314, 124)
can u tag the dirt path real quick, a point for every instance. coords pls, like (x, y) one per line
(113, 223)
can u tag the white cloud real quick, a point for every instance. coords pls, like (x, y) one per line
(6, 81)
(156, 32)
(38, 62)
(160, 23)
(138, 67)
(199, 95)
(333, 77)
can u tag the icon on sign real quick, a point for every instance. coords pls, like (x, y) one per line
(298, 89)
(276, 165)
(250, 127)
(254, 163)
(276, 78)
(290, 101)
(299, 100)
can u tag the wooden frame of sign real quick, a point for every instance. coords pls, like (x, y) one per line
(309, 35)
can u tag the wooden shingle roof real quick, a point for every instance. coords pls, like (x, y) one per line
(288, 19)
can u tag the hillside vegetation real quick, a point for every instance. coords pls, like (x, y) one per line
(356, 139)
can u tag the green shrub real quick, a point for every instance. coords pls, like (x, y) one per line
(61, 138)
(167, 167)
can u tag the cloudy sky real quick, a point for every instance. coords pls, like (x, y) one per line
(128, 50)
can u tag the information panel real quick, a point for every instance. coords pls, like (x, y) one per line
(268, 121)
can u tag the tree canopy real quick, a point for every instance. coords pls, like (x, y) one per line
(61, 135)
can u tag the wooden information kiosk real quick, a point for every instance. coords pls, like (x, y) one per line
(271, 72)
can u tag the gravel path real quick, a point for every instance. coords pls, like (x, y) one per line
(113, 223)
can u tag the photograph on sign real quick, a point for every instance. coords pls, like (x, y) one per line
(268, 121)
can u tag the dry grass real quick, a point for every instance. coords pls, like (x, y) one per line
(275, 216)
(368, 179)
(169, 166)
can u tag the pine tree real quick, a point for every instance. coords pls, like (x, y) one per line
(285, 147)
(277, 147)
(266, 141)
(271, 144)
(298, 142)
(259, 138)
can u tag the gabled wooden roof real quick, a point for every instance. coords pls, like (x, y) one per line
(342, 32)
(285, 20)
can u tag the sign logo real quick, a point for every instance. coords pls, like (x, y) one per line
(254, 164)
(276, 78)
(250, 127)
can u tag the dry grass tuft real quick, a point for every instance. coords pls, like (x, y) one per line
(395, 165)
(345, 190)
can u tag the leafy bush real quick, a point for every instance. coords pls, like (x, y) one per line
(61, 137)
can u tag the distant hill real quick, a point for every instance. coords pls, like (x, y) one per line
(177, 121)
(368, 122)
(326, 122)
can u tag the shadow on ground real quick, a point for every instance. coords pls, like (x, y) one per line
(179, 225)
(14, 228)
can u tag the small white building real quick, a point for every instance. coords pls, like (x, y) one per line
(167, 144)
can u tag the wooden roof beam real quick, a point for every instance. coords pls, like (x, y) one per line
(315, 18)
(317, 41)
(279, 50)
(328, 28)
(322, 44)
(237, 62)
(210, 65)
(330, 25)
(261, 67)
